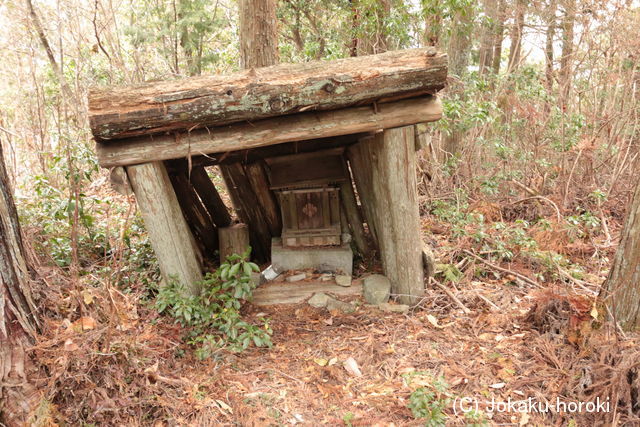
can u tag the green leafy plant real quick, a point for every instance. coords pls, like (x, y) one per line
(214, 314)
(429, 404)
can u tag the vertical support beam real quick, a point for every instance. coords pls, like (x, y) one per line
(168, 231)
(386, 165)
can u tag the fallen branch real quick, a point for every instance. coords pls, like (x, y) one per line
(451, 295)
(504, 270)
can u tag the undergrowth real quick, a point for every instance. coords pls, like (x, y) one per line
(213, 315)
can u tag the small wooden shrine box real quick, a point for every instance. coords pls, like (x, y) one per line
(307, 187)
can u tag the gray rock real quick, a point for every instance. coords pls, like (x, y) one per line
(326, 277)
(297, 277)
(343, 280)
(394, 308)
(319, 300)
(345, 307)
(376, 289)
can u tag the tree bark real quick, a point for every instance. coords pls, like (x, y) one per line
(260, 93)
(18, 322)
(460, 43)
(566, 60)
(515, 51)
(258, 33)
(548, 50)
(499, 38)
(622, 287)
(488, 34)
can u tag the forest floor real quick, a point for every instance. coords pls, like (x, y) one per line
(513, 332)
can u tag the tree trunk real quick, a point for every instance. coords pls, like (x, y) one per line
(460, 43)
(499, 38)
(18, 396)
(622, 287)
(566, 60)
(488, 35)
(258, 33)
(515, 51)
(548, 50)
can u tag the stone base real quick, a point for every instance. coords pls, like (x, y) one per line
(338, 259)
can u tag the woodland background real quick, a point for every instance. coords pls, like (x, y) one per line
(532, 168)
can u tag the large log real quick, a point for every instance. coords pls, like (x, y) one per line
(298, 127)
(169, 233)
(387, 164)
(197, 102)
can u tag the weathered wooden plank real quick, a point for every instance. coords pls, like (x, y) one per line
(210, 197)
(358, 156)
(388, 162)
(169, 233)
(248, 209)
(187, 104)
(257, 176)
(195, 213)
(298, 127)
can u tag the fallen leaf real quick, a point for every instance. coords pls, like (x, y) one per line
(321, 362)
(69, 345)
(352, 367)
(434, 322)
(85, 323)
(224, 406)
(87, 296)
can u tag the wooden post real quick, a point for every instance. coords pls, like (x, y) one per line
(169, 233)
(386, 165)
(233, 240)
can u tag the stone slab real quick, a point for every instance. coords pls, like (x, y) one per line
(338, 259)
(295, 293)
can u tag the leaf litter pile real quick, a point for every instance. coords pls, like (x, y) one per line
(109, 358)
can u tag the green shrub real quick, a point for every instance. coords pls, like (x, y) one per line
(214, 315)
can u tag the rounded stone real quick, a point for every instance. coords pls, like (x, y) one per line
(376, 289)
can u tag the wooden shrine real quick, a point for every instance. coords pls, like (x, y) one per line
(308, 152)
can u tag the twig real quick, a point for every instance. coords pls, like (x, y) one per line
(451, 295)
(504, 270)
(485, 299)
